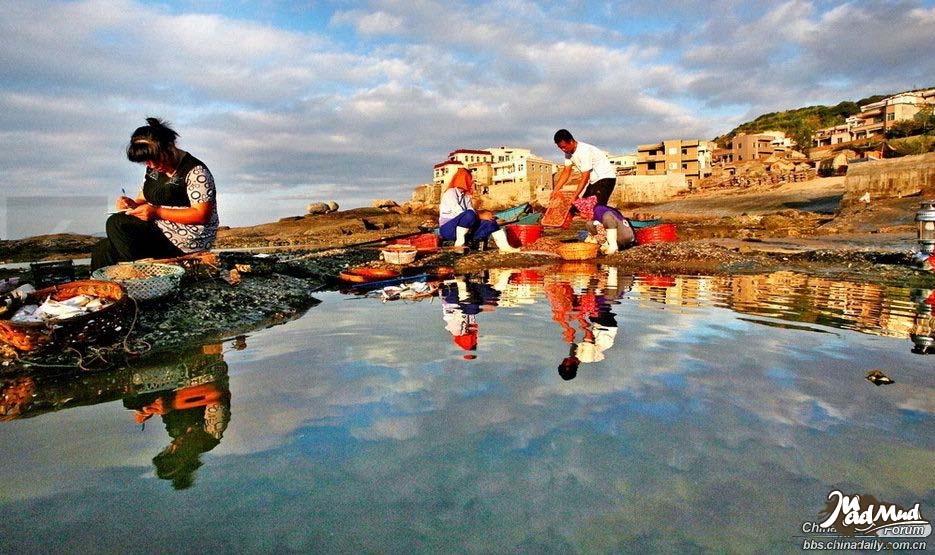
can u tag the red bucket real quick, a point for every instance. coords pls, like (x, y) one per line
(662, 233)
(523, 234)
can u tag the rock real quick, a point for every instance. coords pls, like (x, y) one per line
(318, 208)
(384, 204)
(332, 206)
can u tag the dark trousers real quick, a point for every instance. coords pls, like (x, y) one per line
(130, 238)
(601, 189)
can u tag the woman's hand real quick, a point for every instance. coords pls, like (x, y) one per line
(126, 203)
(145, 211)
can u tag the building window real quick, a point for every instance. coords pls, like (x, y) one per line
(672, 151)
(684, 166)
(891, 116)
(684, 152)
(672, 165)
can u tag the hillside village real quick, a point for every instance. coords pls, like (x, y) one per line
(885, 127)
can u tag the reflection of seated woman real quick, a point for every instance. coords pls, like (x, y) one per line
(175, 213)
(461, 303)
(459, 221)
(195, 417)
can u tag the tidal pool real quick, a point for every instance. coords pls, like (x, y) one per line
(565, 409)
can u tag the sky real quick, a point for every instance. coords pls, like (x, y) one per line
(305, 101)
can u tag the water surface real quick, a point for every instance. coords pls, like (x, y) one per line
(566, 409)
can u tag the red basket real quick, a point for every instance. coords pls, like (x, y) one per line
(656, 281)
(526, 277)
(523, 234)
(662, 233)
(423, 243)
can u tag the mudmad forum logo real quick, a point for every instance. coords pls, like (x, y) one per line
(864, 522)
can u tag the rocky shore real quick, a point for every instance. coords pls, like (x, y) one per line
(798, 228)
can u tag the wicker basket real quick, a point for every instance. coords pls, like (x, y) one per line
(578, 251)
(400, 254)
(154, 279)
(102, 326)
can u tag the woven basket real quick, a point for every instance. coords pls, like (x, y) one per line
(155, 280)
(399, 254)
(102, 326)
(578, 251)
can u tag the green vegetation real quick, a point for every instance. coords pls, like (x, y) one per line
(923, 123)
(799, 123)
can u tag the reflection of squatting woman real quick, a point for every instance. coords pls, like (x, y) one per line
(459, 221)
(176, 211)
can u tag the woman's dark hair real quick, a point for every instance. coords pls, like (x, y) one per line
(152, 142)
(563, 136)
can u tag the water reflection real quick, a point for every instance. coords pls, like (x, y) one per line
(462, 301)
(192, 397)
(715, 422)
(189, 392)
(886, 311)
(923, 325)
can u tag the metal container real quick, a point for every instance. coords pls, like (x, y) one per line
(925, 218)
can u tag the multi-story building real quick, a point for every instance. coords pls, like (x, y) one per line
(501, 174)
(759, 145)
(444, 171)
(875, 119)
(689, 157)
(625, 164)
(520, 174)
(832, 135)
(468, 157)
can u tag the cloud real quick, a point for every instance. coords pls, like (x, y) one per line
(364, 101)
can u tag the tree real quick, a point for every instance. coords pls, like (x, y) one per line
(925, 120)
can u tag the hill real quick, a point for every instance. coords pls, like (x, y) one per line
(800, 123)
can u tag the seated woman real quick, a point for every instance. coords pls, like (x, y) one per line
(175, 212)
(458, 221)
(617, 231)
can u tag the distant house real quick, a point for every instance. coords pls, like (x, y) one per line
(501, 175)
(746, 147)
(625, 164)
(692, 158)
(875, 119)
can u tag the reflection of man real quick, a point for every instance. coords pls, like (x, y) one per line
(591, 311)
(195, 413)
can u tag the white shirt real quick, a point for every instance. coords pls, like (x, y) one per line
(454, 201)
(590, 158)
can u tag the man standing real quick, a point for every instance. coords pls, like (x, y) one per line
(597, 173)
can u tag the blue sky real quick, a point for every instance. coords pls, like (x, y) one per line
(293, 102)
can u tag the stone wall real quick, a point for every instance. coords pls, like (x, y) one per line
(891, 178)
(647, 188)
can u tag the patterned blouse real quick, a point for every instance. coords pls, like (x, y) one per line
(192, 183)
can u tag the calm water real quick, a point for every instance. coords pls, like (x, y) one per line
(562, 409)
